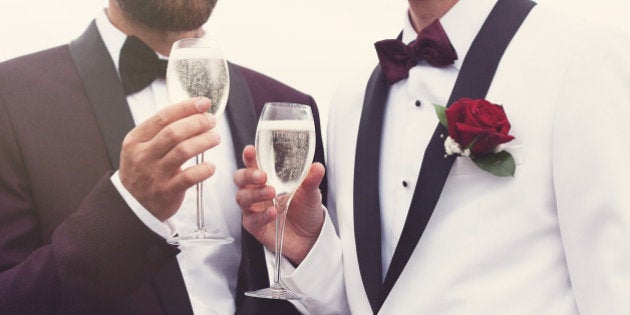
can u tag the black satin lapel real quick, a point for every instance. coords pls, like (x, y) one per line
(240, 114)
(104, 90)
(114, 119)
(242, 119)
(367, 214)
(253, 273)
(172, 289)
(473, 81)
(488, 47)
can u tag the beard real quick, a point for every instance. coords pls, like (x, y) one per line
(168, 15)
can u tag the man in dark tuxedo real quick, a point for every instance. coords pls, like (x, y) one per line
(425, 225)
(93, 177)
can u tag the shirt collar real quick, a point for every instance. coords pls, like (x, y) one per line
(112, 36)
(461, 23)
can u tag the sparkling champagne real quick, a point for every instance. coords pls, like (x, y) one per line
(285, 146)
(195, 72)
(285, 151)
(196, 67)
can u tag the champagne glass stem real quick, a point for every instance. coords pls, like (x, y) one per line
(281, 203)
(201, 223)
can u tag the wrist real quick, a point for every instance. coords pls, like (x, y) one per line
(297, 257)
(306, 239)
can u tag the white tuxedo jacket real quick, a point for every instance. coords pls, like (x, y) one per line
(554, 239)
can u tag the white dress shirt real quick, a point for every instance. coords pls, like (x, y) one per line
(410, 119)
(209, 272)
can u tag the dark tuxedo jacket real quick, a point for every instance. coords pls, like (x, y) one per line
(68, 241)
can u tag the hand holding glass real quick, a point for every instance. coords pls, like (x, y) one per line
(285, 146)
(196, 67)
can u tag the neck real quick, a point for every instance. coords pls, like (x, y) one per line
(159, 41)
(423, 12)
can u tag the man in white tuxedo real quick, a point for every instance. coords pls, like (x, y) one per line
(424, 232)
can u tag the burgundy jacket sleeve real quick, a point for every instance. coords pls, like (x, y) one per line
(69, 252)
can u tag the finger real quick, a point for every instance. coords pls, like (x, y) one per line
(179, 131)
(191, 176)
(258, 220)
(246, 198)
(249, 157)
(249, 176)
(188, 149)
(149, 128)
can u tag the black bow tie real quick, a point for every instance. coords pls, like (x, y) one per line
(139, 65)
(431, 45)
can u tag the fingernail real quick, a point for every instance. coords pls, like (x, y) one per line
(202, 104)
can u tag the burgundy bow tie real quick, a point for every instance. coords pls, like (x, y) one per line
(431, 45)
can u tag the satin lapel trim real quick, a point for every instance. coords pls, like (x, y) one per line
(473, 81)
(114, 119)
(242, 120)
(103, 89)
(367, 217)
(240, 114)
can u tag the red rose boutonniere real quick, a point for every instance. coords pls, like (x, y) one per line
(476, 128)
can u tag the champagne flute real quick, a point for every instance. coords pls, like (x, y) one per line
(285, 146)
(196, 67)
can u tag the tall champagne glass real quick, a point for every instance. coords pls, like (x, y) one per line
(285, 146)
(196, 67)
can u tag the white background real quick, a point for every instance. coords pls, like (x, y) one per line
(312, 45)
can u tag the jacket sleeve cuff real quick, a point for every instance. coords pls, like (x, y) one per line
(319, 277)
(164, 229)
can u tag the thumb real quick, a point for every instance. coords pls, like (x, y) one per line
(314, 177)
(249, 156)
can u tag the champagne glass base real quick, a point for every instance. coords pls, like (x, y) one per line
(276, 292)
(200, 238)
